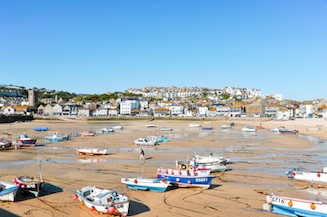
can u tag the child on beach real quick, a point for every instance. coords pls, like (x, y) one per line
(142, 159)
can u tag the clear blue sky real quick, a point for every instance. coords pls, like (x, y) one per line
(98, 46)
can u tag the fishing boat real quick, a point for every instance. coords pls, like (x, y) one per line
(25, 139)
(166, 129)
(117, 127)
(214, 163)
(146, 184)
(103, 200)
(260, 127)
(294, 206)
(29, 183)
(55, 137)
(8, 191)
(41, 128)
(283, 130)
(107, 130)
(92, 151)
(318, 177)
(86, 134)
(189, 180)
(206, 128)
(249, 129)
(145, 142)
(194, 125)
(313, 128)
(151, 125)
(5, 141)
(184, 168)
(225, 126)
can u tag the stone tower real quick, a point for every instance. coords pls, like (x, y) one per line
(32, 97)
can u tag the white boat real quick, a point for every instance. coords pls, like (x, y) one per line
(145, 142)
(146, 184)
(194, 125)
(103, 200)
(5, 141)
(151, 125)
(118, 127)
(8, 191)
(166, 129)
(214, 163)
(29, 183)
(56, 137)
(249, 129)
(318, 177)
(313, 128)
(184, 170)
(92, 151)
(224, 126)
(294, 206)
(107, 130)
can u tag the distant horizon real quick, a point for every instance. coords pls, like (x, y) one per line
(94, 47)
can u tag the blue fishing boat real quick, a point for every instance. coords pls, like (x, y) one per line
(294, 206)
(54, 137)
(41, 128)
(189, 180)
(206, 128)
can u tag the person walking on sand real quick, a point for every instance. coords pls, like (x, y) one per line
(142, 159)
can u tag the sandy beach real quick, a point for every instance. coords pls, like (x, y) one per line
(258, 165)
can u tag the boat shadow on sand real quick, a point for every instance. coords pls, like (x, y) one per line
(136, 208)
(5, 213)
(47, 189)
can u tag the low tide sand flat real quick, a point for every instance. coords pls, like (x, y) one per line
(258, 166)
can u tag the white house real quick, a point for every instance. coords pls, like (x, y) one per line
(176, 110)
(57, 109)
(203, 111)
(125, 108)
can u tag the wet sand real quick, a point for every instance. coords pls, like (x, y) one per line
(258, 165)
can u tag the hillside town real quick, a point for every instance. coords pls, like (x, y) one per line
(164, 102)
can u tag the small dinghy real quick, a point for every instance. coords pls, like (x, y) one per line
(8, 191)
(103, 200)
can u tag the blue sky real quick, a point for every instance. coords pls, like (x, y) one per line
(98, 46)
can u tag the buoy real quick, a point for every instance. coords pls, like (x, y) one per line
(163, 179)
(75, 197)
(82, 203)
(112, 210)
(14, 180)
(189, 182)
(318, 174)
(290, 203)
(313, 206)
(180, 172)
(159, 170)
(18, 185)
(294, 173)
(135, 181)
(269, 199)
(92, 208)
(177, 179)
(23, 186)
(172, 172)
(166, 171)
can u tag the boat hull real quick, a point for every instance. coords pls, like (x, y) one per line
(92, 151)
(312, 177)
(28, 141)
(103, 200)
(8, 191)
(296, 207)
(153, 185)
(187, 181)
